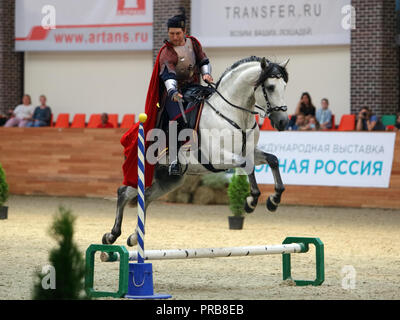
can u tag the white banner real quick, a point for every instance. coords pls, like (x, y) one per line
(349, 159)
(61, 25)
(232, 23)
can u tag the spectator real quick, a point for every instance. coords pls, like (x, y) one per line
(41, 115)
(104, 122)
(324, 115)
(3, 119)
(366, 121)
(397, 124)
(305, 105)
(22, 113)
(311, 125)
(299, 124)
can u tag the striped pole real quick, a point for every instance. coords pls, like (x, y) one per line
(141, 188)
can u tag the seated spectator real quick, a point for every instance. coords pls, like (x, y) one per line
(5, 116)
(104, 122)
(41, 115)
(3, 119)
(397, 124)
(305, 107)
(324, 115)
(22, 113)
(311, 125)
(299, 124)
(366, 121)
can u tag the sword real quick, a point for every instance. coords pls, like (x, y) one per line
(182, 109)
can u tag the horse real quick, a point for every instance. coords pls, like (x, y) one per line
(249, 84)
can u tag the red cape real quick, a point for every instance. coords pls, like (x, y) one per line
(129, 139)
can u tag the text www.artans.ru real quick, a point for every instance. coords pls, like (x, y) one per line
(101, 37)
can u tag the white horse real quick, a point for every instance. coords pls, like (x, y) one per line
(248, 85)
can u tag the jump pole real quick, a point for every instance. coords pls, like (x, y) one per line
(173, 254)
(289, 245)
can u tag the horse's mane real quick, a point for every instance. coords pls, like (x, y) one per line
(273, 70)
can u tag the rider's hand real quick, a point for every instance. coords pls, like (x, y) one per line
(177, 96)
(208, 78)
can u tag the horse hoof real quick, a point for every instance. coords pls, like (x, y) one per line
(108, 238)
(132, 240)
(247, 205)
(270, 205)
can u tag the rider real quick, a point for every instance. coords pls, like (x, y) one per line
(181, 60)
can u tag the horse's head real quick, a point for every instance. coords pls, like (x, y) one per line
(270, 92)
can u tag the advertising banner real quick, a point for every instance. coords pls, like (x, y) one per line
(233, 23)
(348, 159)
(75, 25)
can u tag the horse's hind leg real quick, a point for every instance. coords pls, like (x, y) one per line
(125, 194)
(163, 183)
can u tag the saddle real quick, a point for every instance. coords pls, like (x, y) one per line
(193, 100)
(194, 96)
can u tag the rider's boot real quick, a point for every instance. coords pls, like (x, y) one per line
(175, 167)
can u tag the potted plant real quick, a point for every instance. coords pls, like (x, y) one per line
(3, 194)
(238, 191)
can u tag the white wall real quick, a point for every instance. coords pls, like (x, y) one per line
(322, 71)
(117, 82)
(89, 82)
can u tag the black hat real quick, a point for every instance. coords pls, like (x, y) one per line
(178, 21)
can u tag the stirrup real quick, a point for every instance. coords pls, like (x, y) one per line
(175, 168)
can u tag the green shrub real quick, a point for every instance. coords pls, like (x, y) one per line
(3, 187)
(67, 261)
(238, 191)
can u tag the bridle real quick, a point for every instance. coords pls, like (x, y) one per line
(266, 111)
(269, 109)
(214, 87)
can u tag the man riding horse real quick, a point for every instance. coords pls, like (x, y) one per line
(181, 59)
(179, 63)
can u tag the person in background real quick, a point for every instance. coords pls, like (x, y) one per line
(104, 122)
(305, 107)
(366, 121)
(299, 124)
(5, 116)
(41, 115)
(324, 115)
(397, 124)
(3, 119)
(22, 113)
(311, 125)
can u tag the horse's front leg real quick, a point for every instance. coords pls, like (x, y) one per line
(252, 200)
(266, 158)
